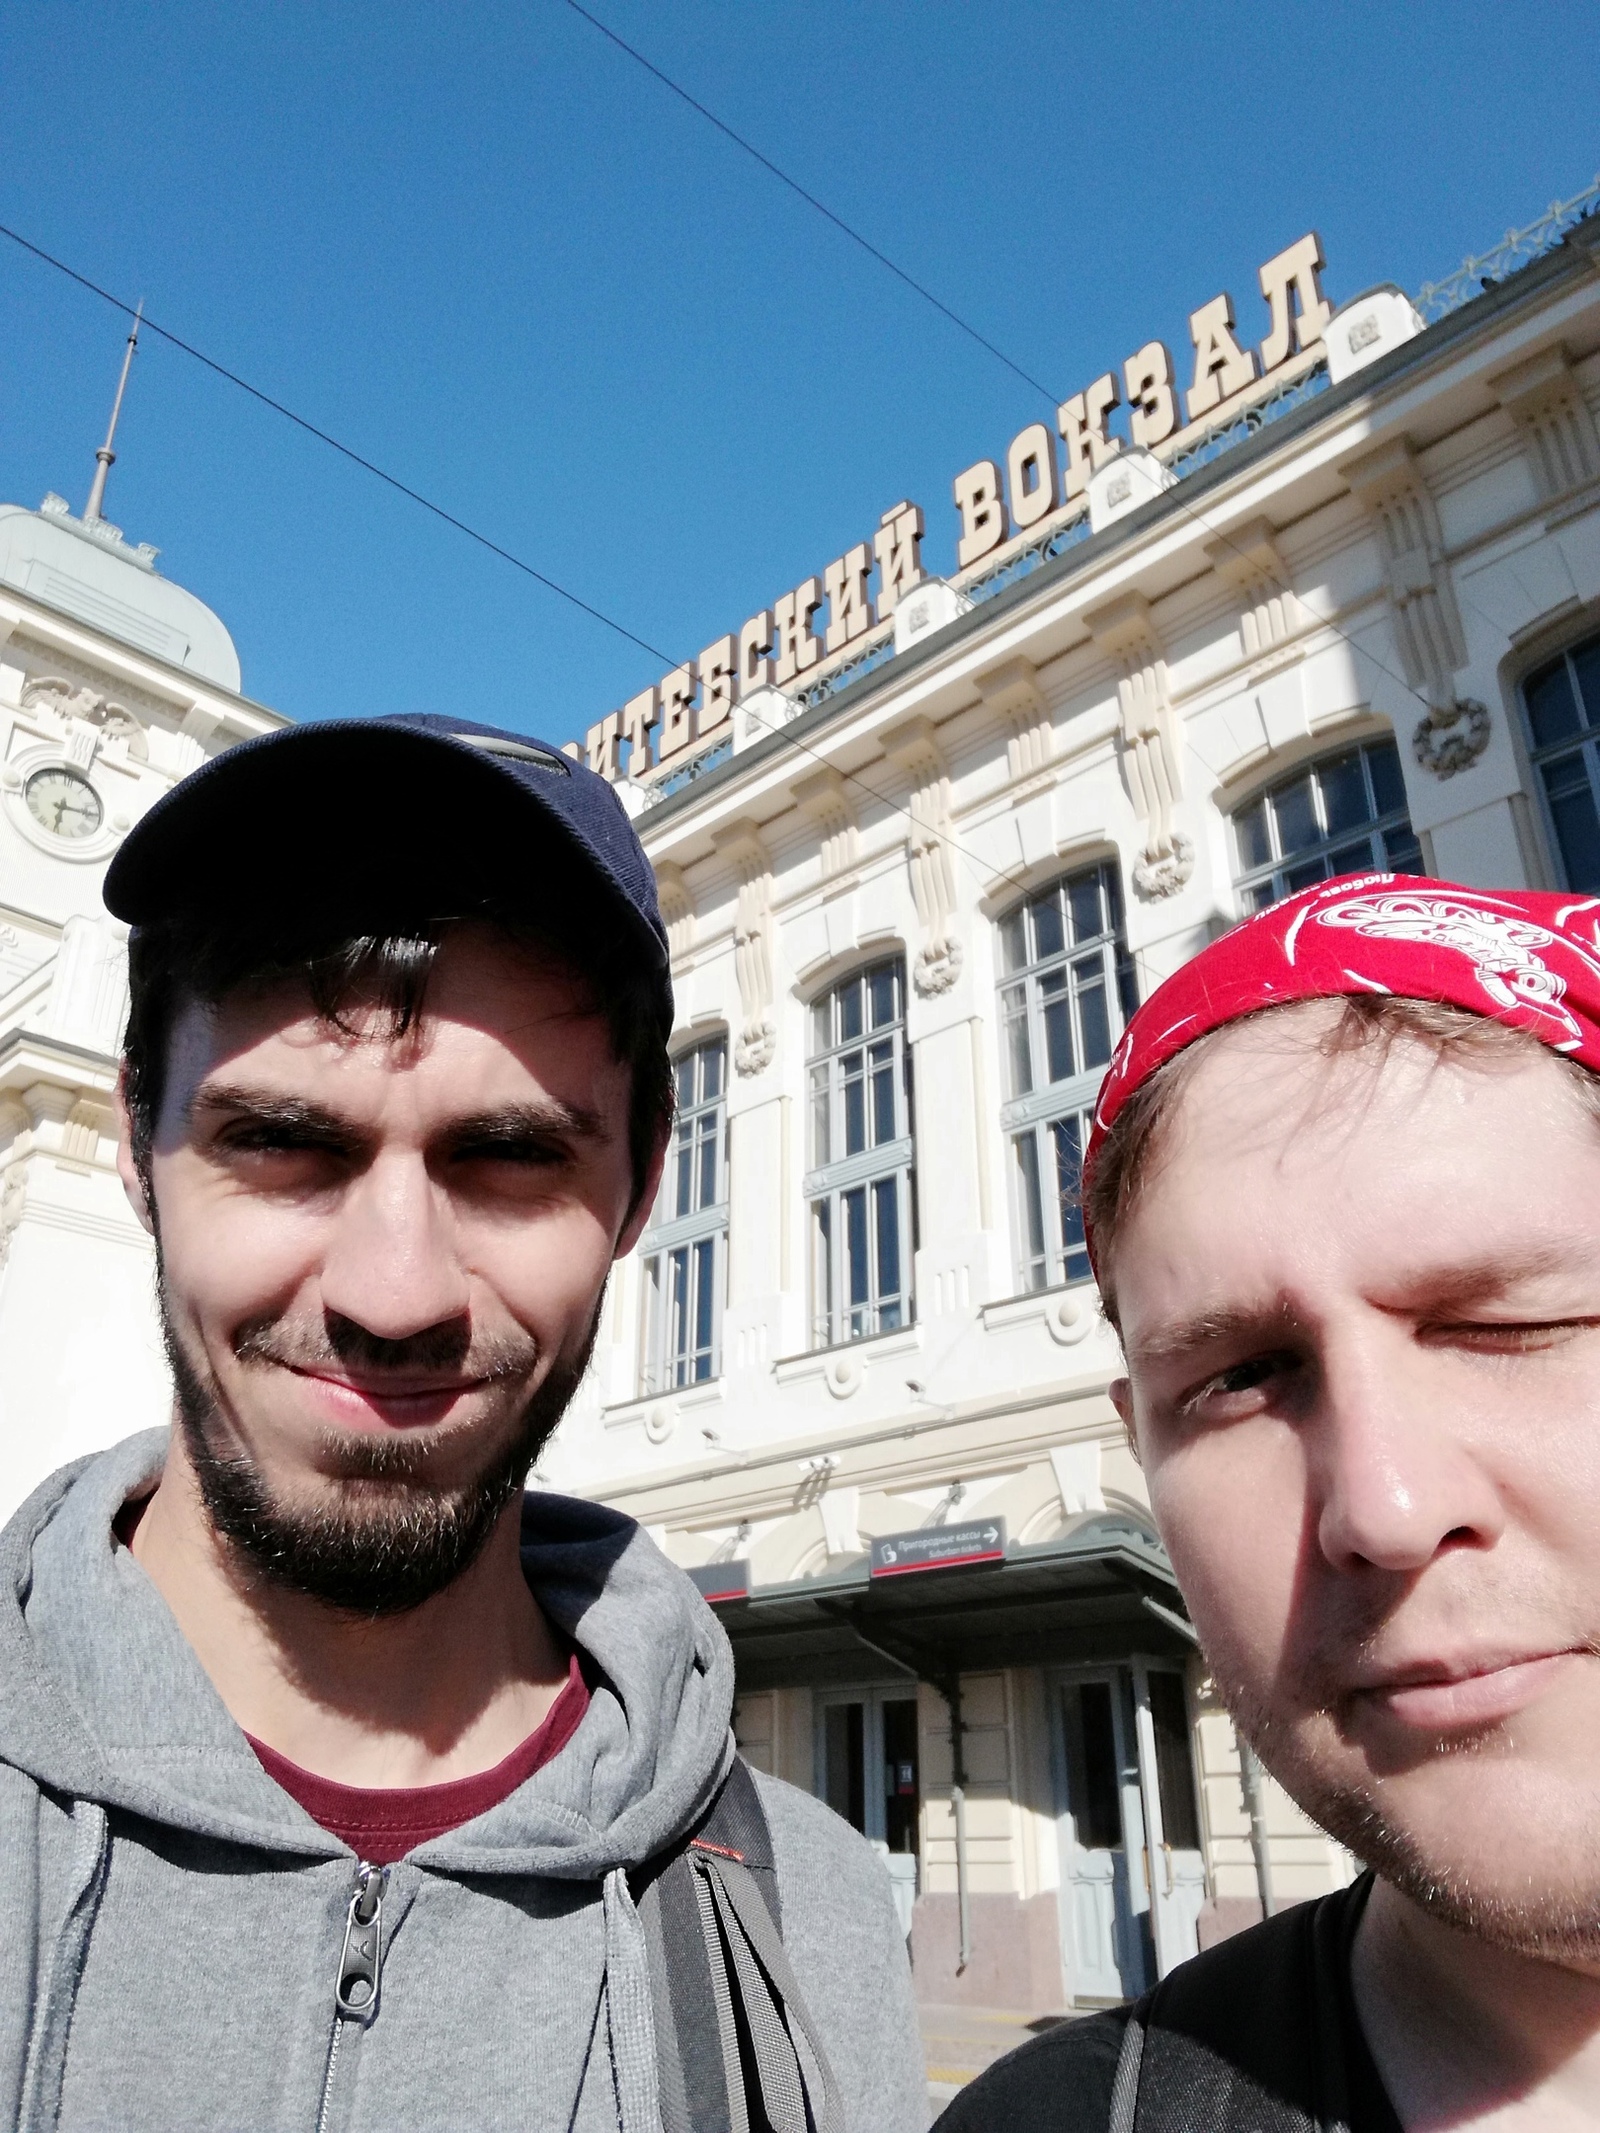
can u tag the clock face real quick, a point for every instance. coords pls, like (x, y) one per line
(64, 803)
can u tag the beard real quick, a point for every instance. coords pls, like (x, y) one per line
(387, 1537)
(1548, 1910)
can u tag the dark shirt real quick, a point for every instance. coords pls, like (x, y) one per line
(1264, 2025)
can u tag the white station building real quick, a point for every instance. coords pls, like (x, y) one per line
(1334, 605)
(1322, 596)
(113, 683)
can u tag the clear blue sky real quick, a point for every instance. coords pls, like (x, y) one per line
(484, 248)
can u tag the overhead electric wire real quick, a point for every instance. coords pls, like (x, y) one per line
(811, 200)
(853, 777)
(345, 451)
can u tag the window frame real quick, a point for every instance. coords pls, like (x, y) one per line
(1029, 1118)
(878, 1175)
(689, 1247)
(1247, 878)
(1585, 743)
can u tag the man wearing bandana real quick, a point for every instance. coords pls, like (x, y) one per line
(1343, 1200)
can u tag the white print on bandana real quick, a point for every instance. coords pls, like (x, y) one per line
(1501, 948)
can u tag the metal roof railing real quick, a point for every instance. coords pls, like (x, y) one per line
(1515, 249)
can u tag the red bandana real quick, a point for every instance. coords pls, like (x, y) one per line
(1519, 957)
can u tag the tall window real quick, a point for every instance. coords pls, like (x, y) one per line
(1562, 701)
(686, 1247)
(860, 1184)
(1066, 993)
(1345, 814)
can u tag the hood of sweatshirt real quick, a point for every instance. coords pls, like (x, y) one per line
(102, 1698)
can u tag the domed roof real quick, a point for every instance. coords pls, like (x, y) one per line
(88, 570)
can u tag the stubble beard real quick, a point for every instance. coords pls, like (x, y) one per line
(1553, 1918)
(386, 1537)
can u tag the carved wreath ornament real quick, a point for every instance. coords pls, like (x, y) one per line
(1452, 737)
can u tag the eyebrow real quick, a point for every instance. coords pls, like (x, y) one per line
(1438, 1290)
(506, 1126)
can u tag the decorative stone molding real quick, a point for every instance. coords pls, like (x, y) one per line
(1547, 404)
(1452, 738)
(1155, 878)
(842, 1374)
(85, 716)
(1125, 633)
(1270, 615)
(1390, 486)
(752, 947)
(1012, 690)
(913, 747)
(677, 908)
(826, 798)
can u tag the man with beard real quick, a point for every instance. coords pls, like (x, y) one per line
(342, 1785)
(1344, 1200)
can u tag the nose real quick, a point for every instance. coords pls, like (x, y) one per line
(391, 1265)
(1397, 1478)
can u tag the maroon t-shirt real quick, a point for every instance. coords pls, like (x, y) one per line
(382, 1823)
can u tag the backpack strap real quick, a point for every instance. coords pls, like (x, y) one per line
(1250, 2035)
(738, 2051)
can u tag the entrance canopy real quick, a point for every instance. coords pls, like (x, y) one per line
(1099, 1593)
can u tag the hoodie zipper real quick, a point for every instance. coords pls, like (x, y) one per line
(355, 1991)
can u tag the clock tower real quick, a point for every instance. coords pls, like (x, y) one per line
(113, 683)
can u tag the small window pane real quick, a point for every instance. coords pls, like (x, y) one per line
(1019, 1055)
(1305, 877)
(1013, 940)
(1049, 935)
(820, 1136)
(708, 1160)
(882, 987)
(882, 1057)
(1402, 853)
(1180, 1819)
(1057, 1020)
(705, 1296)
(1094, 1013)
(1552, 707)
(1586, 664)
(1036, 1272)
(1083, 894)
(1351, 858)
(1388, 786)
(712, 1056)
(849, 1010)
(1344, 794)
(1255, 845)
(886, 1223)
(1572, 810)
(1296, 810)
(1066, 1133)
(858, 1272)
(685, 1080)
(853, 1067)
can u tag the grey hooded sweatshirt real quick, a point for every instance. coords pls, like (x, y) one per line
(172, 1922)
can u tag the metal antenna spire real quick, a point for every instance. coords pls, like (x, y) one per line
(105, 457)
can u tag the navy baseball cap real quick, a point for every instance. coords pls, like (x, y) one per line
(414, 818)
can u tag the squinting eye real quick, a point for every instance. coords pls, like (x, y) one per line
(1244, 1377)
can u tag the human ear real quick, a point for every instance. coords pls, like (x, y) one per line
(639, 1213)
(1122, 1400)
(133, 1180)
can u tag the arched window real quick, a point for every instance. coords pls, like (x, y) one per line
(859, 1186)
(685, 1249)
(1343, 814)
(1561, 702)
(1066, 992)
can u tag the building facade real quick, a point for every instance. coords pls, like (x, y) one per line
(919, 861)
(113, 683)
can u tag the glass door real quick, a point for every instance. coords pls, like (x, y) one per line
(1105, 1897)
(1172, 1811)
(868, 1769)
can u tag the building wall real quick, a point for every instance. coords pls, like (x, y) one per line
(1396, 549)
(81, 1363)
